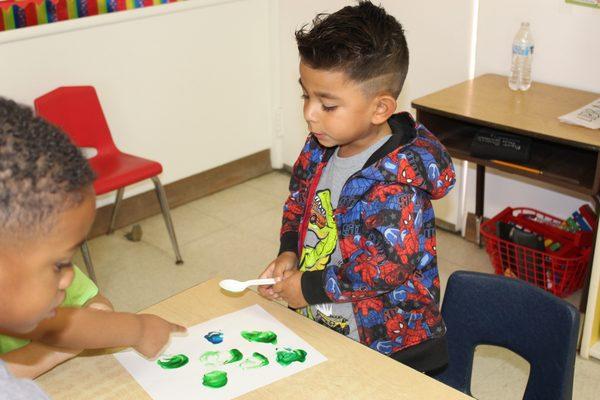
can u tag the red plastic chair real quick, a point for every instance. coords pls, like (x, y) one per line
(77, 111)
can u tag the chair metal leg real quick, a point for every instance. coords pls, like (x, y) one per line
(164, 206)
(116, 207)
(87, 258)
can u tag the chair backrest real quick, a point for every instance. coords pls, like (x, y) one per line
(77, 111)
(496, 310)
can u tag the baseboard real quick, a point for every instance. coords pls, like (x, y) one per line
(445, 225)
(144, 205)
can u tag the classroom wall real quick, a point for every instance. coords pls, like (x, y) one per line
(187, 84)
(566, 54)
(438, 34)
(171, 77)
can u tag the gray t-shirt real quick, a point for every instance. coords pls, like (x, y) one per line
(12, 388)
(320, 245)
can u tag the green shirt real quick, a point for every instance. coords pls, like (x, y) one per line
(77, 294)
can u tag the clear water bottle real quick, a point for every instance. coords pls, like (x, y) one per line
(522, 55)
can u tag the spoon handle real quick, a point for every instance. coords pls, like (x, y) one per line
(258, 282)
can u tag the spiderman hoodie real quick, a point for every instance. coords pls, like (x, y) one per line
(384, 231)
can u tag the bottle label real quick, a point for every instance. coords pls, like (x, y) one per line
(522, 50)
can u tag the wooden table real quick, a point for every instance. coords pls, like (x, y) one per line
(352, 371)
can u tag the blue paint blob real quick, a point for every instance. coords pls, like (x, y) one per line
(214, 337)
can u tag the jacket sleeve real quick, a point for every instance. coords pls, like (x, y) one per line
(442, 181)
(293, 209)
(381, 258)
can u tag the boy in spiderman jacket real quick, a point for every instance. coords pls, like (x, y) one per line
(358, 235)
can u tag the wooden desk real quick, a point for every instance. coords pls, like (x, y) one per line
(352, 371)
(567, 156)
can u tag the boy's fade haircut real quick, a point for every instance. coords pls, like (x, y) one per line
(362, 41)
(41, 172)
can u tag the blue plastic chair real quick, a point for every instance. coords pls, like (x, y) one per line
(496, 310)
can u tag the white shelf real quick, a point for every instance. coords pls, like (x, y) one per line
(588, 348)
(595, 350)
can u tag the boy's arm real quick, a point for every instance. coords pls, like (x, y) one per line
(87, 328)
(35, 359)
(373, 271)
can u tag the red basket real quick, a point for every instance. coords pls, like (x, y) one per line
(559, 272)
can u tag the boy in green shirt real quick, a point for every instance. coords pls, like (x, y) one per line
(47, 207)
(28, 359)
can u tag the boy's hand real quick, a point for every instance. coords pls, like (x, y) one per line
(290, 289)
(154, 334)
(286, 261)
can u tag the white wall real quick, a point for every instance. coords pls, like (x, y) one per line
(195, 84)
(438, 34)
(567, 53)
(186, 84)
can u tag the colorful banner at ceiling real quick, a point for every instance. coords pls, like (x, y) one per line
(23, 13)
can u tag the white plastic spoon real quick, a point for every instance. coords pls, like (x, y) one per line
(231, 285)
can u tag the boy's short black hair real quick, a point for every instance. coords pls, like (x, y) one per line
(41, 172)
(362, 41)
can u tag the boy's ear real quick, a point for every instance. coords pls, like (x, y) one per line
(385, 107)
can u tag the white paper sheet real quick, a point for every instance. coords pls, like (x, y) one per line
(186, 382)
(587, 116)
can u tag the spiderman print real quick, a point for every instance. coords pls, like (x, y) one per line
(386, 234)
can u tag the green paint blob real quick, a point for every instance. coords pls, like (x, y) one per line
(211, 358)
(256, 361)
(260, 336)
(287, 356)
(236, 356)
(262, 360)
(173, 362)
(215, 379)
(220, 357)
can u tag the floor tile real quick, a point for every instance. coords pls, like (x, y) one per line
(233, 253)
(274, 184)
(265, 225)
(236, 204)
(189, 224)
(458, 251)
(498, 374)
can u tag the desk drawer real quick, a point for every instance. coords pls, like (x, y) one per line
(558, 163)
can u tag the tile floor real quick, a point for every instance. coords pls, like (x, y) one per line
(234, 233)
